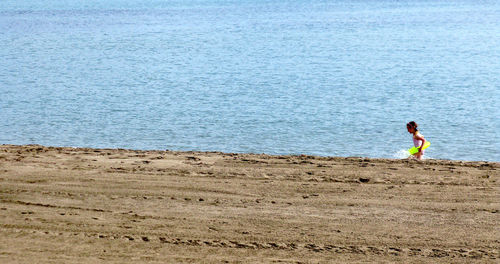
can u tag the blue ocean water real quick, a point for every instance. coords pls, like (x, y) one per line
(332, 78)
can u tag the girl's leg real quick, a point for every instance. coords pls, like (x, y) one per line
(420, 155)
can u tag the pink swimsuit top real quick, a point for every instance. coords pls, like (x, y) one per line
(417, 142)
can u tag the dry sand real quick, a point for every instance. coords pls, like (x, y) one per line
(76, 205)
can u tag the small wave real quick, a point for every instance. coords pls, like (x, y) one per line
(404, 154)
(401, 154)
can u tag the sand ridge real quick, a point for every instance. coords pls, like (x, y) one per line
(80, 205)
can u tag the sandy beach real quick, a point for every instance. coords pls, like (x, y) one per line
(80, 205)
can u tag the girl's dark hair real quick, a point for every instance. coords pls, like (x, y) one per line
(412, 124)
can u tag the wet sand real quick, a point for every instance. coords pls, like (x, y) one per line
(78, 205)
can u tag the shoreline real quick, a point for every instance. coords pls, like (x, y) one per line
(79, 205)
(425, 160)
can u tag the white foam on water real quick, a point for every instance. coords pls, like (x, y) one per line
(404, 154)
(401, 154)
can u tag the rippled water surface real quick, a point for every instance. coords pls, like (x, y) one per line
(336, 78)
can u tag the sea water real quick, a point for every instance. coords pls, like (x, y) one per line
(332, 78)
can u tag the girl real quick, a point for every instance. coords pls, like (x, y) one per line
(418, 139)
